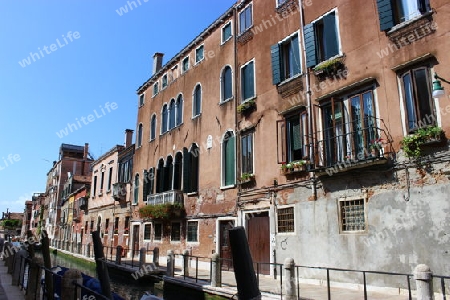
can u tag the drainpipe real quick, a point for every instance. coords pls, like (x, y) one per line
(308, 100)
(237, 144)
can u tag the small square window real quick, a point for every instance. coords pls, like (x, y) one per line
(185, 65)
(286, 220)
(352, 215)
(157, 227)
(175, 232)
(226, 32)
(192, 231)
(199, 54)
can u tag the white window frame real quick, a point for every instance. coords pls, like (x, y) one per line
(198, 231)
(239, 19)
(254, 80)
(143, 231)
(156, 125)
(167, 121)
(353, 198)
(154, 93)
(230, 22)
(221, 85)
(280, 2)
(252, 133)
(222, 170)
(284, 41)
(193, 100)
(162, 81)
(203, 56)
(183, 71)
(141, 99)
(140, 135)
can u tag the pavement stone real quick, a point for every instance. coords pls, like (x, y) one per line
(7, 290)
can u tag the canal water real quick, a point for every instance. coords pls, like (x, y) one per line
(124, 286)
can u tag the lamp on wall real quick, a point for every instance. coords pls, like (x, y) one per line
(438, 90)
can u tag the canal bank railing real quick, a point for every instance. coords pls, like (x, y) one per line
(285, 279)
(39, 282)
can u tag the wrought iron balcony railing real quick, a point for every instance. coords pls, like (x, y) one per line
(170, 197)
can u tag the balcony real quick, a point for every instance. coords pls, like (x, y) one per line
(170, 197)
(119, 191)
(346, 146)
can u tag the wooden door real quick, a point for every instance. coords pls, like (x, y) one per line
(224, 244)
(258, 232)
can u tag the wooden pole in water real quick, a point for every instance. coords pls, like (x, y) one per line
(101, 267)
(244, 272)
(47, 264)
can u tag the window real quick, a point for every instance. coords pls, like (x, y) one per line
(185, 65)
(147, 231)
(247, 153)
(116, 225)
(86, 225)
(292, 134)
(125, 169)
(175, 232)
(102, 179)
(92, 225)
(363, 122)
(352, 215)
(172, 114)
(285, 59)
(226, 32)
(136, 189)
(393, 12)
(153, 128)
(197, 101)
(248, 81)
(155, 89)
(110, 178)
(199, 54)
(321, 39)
(191, 169)
(160, 176)
(165, 115)
(417, 97)
(280, 2)
(157, 227)
(164, 81)
(168, 174)
(139, 136)
(192, 231)
(245, 19)
(106, 226)
(177, 171)
(149, 182)
(179, 109)
(286, 219)
(228, 159)
(226, 84)
(94, 189)
(141, 99)
(126, 229)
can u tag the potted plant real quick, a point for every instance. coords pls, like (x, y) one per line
(246, 177)
(375, 147)
(329, 67)
(246, 106)
(412, 144)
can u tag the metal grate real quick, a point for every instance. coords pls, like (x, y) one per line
(352, 215)
(286, 219)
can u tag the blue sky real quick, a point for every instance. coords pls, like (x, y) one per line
(79, 62)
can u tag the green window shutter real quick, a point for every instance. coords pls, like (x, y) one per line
(331, 35)
(230, 161)
(276, 64)
(186, 171)
(248, 81)
(310, 46)
(296, 55)
(385, 14)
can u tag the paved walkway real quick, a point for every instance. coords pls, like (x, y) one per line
(8, 291)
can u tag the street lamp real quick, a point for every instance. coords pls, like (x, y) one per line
(438, 90)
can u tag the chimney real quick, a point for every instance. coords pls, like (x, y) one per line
(157, 62)
(86, 150)
(128, 137)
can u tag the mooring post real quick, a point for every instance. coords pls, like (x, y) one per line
(186, 263)
(289, 274)
(119, 255)
(424, 282)
(68, 289)
(102, 269)
(19, 266)
(142, 258)
(170, 263)
(34, 278)
(156, 256)
(216, 272)
(244, 272)
(47, 264)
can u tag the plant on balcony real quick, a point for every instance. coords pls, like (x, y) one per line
(375, 146)
(412, 144)
(161, 211)
(329, 67)
(293, 166)
(246, 106)
(246, 177)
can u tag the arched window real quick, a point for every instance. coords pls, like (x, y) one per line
(139, 136)
(159, 176)
(226, 84)
(228, 159)
(136, 189)
(168, 174)
(177, 170)
(197, 101)
(149, 183)
(179, 109)
(191, 160)
(172, 114)
(164, 119)
(153, 128)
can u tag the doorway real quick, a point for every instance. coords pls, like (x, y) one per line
(224, 245)
(258, 235)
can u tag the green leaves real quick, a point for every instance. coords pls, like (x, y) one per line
(412, 144)
(161, 211)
